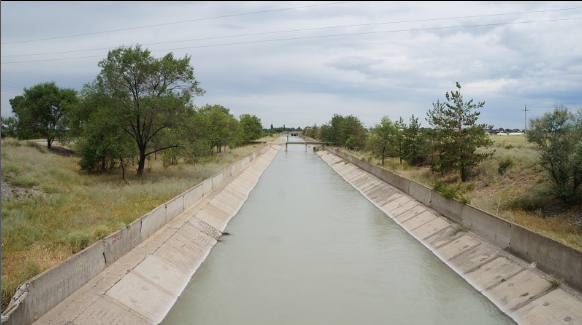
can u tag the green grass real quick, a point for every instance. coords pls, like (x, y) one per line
(73, 209)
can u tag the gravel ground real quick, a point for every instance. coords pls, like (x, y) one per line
(10, 192)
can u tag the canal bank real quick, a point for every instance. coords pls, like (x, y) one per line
(169, 244)
(306, 248)
(517, 287)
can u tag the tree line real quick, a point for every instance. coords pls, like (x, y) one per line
(455, 142)
(136, 107)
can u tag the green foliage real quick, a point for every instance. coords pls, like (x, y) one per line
(346, 131)
(456, 134)
(383, 139)
(453, 191)
(42, 111)
(448, 191)
(557, 135)
(504, 165)
(415, 148)
(149, 95)
(251, 127)
(222, 128)
(8, 127)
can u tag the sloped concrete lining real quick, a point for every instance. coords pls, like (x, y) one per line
(44, 288)
(550, 256)
(122, 241)
(448, 207)
(420, 192)
(495, 230)
(481, 256)
(79, 284)
(142, 286)
(193, 195)
(174, 207)
(153, 221)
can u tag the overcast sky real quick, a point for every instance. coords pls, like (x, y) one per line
(298, 63)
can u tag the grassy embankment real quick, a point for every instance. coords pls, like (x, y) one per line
(58, 210)
(518, 193)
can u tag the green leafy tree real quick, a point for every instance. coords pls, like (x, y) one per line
(101, 140)
(557, 135)
(41, 111)
(415, 149)
(8, 127)
(347, 132)
(399, 138)
(383, 138)
(457, 134)
(150, 94)
(251, 127)
(223, 127)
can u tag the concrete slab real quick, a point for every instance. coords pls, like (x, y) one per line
(163, 274)
(430, 228)
(442, 237)
(418, 220)
(494, 272)
(407, 214)
(213, 216)
(184, 262)
(405, 207)
(108, 312)
(142, 297)
(557, 307)
(475, 257)
(205, 228)
(397, 203)
(520, 289)
(196, 236)
(187, 247)
(457, 247)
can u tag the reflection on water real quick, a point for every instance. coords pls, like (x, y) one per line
(307, 248)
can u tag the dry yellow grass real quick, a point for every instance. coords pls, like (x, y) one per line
(516, 195)
(73, 209)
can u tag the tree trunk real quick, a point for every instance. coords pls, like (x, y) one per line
(49, 143)
(141, 162)
(122, 169)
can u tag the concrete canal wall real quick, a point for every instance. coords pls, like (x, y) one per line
(502, 260)
(135, 274)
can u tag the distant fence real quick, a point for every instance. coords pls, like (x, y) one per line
(551, 256)
(40, 294)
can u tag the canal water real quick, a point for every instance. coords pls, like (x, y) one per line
(308, 248)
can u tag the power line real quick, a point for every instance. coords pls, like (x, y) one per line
(177, 22)
(314, 37)
(303, 30)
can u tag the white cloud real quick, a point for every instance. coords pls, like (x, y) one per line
(305, 81)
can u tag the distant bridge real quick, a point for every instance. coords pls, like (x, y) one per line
(304, 142)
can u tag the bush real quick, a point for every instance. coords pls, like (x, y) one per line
(504, 165)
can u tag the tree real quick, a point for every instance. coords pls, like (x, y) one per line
(223, 128)
(414, 143)
(457, 136)
(557, 135)
(41, 111)
(347, 132)
(399, 138)
(150, 94)
(8, 127)
(251, 127)
(382, 138)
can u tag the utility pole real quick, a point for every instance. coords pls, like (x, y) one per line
(524, 118)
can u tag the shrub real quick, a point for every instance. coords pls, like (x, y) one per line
(504, 165)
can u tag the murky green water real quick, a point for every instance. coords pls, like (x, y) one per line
(307, 248)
